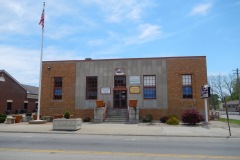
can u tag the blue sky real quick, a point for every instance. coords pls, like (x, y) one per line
(102, 29)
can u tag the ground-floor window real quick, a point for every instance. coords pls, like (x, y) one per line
(25, 105)
(57, 93)
(91, 87)
(9, 106)
(187, 86)
(149, 87)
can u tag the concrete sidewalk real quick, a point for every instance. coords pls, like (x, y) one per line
(213, 129)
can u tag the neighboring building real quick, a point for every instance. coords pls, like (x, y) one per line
(162, 86)
(232, 106)
(32, 98)
(15, 97)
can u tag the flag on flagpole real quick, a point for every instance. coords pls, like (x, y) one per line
(41, 22)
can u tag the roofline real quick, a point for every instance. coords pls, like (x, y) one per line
(2, 70)
(89, 59)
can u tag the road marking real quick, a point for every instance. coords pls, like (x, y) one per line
(122, 153)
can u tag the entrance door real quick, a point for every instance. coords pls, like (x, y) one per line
(120, 99)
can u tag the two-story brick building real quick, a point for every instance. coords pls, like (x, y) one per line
(162, 86)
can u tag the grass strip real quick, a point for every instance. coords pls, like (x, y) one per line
(232, 121)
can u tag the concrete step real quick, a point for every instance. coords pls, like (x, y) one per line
(117, 116)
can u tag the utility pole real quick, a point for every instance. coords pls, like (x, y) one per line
(238, 85)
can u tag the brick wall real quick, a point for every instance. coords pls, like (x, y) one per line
(66, 70)
(176, 67)
(10, 90)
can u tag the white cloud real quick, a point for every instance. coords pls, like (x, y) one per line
(201, 9)
(95, 42)
(145, 33)
(60, 32)
(52, 53)
(149, 31)
(117, 11)
(23, 64)
(19, 62)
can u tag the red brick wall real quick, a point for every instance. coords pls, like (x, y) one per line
(31, 104)
(175, 68)
(156, 113)
(67, 71)
(10, 90)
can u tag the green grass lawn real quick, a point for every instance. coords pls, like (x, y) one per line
(233, 121)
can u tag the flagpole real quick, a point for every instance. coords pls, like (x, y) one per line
(40, 74)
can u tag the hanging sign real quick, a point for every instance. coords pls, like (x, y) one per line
(205, 91)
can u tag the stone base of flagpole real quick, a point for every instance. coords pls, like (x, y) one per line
(37, 121)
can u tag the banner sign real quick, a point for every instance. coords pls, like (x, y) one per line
(205, 91)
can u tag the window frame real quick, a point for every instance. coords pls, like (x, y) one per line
(91, 87)
(187, 88)
(151, 86)
(118, 83)
(9, 106)
(57, 88)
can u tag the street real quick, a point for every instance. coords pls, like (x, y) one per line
(17, 146)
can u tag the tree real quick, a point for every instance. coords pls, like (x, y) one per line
(228, 84)
(214, 101)
(217, 84)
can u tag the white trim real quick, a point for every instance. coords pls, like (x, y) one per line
(25, 101)
(9, 100)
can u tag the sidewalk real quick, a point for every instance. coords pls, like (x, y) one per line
(213, 129)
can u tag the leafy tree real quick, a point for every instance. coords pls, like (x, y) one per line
(214, 101)
(229, 84)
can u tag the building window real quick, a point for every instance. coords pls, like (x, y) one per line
(149, 87)
(91, 87)
(57, 88)
(9, 106)
(26, 106)
(187, 86)
(120, 81)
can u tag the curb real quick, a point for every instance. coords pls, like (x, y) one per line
(93, 134)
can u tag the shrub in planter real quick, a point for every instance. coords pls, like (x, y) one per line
(2, 118)
(172, 121)
(164, 119)
(67, 115)
(148, 118)
(192, 117)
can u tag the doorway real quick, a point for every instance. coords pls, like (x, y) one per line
(120, 99)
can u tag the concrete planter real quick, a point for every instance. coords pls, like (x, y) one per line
(133, 115)
(67, 124)
(99, 114)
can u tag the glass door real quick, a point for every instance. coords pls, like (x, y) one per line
(120, 99)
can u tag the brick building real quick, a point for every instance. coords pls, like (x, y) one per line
(16, 97)
(162, 86)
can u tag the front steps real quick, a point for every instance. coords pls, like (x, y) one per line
(116, 116)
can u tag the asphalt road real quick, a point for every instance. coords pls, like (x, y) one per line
(22, 146)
